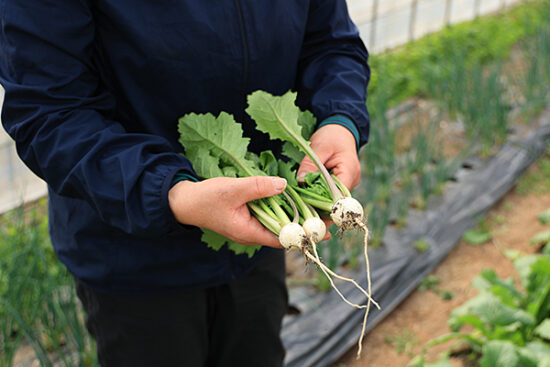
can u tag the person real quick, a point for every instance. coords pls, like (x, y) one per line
(93, 92)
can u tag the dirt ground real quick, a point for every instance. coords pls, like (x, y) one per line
(423, 315)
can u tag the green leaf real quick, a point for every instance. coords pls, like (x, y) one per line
(504, 289)
(229, 171)
(278, 117)
(216, 147)
(317, 185)
(268, 163)
(498, 353)
(540, 238)
(477, 236)
(527, 358)
(293, 153)
(205, 165)
(459, 319)
(445, 362)
(308, 122)
(544, 217)
(242, 249)
(417, 361)
(421, 245)
(543, 330)
(287, 172)
(210, 141)
(216, 241)
(538, 288)
(523, 267)
(541, 351)
(491, 311)
(253, 157)
(311, 178)
(430, 282)
(512, 254)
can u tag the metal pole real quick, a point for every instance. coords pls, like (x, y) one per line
(373, 24)
(412, 20)
(448, 7)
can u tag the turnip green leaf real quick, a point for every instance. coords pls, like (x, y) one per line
(543, 330)
(544, 217)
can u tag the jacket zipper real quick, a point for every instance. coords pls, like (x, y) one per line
(244, 43)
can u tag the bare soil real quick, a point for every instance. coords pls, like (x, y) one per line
(423, 315)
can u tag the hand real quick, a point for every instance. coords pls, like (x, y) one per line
(219, 204)
(335, 145)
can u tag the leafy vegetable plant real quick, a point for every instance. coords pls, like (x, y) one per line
(510, 327)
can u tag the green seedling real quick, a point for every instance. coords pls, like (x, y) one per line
(478, 235)
(405, 342)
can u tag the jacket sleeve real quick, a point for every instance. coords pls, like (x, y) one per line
(59, 116)
(333, 70)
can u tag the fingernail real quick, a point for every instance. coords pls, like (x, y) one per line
(278, 183)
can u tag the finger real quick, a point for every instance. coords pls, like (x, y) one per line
(327, 222)
(350, 174)
(346, 178)
(257, 187)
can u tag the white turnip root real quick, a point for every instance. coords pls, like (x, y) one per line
(293, 237)
(315, 229)
(347, 213)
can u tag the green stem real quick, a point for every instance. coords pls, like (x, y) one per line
(264, 218)
(323, 205)
(313, 211)
(313, 195)
(296, 216)
(306, 213)
(263, 205)
(279, 212)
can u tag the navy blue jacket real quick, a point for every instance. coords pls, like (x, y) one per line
(93, 91)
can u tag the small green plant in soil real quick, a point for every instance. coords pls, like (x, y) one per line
(421, 245)
(431, 283)
(404, 342)
(507, 326)
(478, 235)
(544, 217)
(541, 238)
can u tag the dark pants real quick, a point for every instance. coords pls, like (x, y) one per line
(236, 324)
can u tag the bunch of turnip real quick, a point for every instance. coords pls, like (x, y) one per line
(294, 216)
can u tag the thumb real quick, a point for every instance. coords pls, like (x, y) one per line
(257, 187)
